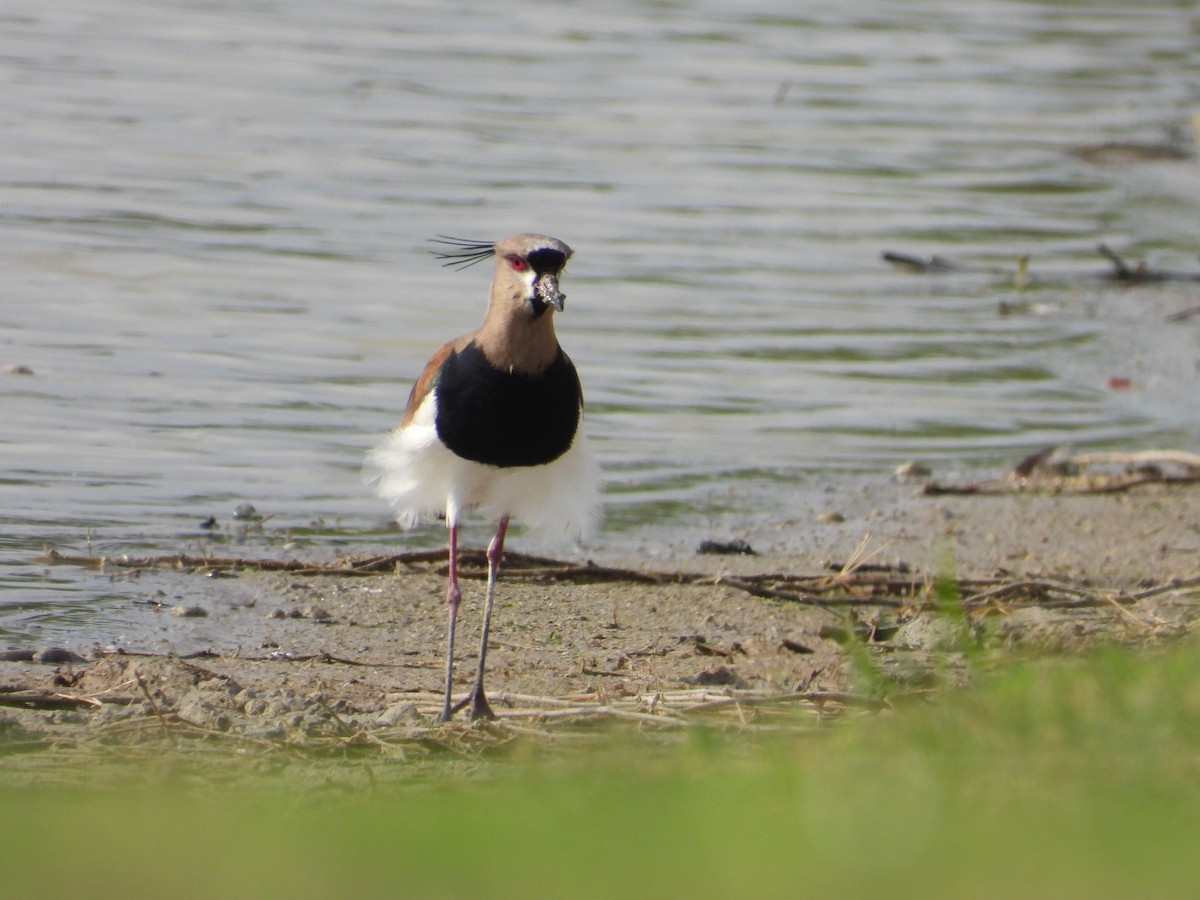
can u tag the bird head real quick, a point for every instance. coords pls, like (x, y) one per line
(528, 267)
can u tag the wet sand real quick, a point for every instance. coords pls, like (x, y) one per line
(293, 659)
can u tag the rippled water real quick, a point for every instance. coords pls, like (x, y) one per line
(213, 215)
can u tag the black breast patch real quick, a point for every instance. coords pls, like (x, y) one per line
(503, 418)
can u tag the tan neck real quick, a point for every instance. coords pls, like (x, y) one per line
(514, 341)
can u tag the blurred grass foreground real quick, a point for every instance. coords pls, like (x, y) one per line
(1075, 777)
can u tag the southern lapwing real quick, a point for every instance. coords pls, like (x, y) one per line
(493, 423)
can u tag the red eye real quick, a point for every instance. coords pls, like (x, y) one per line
(518, 264)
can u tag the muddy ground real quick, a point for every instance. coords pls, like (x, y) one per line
(866, 607)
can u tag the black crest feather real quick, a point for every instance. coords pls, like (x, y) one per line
(460, 253)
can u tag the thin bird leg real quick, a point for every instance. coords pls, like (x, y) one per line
(495, 552)
(453, 599)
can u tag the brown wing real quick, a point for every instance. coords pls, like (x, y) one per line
(427, 380)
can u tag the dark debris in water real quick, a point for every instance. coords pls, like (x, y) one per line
(736, 547)
(1055, 469)
(51, 656)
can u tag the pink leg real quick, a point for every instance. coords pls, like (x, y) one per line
(495, 553)
(453, 599)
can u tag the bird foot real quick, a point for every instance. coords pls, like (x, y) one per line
(480, 709)
(477, 700)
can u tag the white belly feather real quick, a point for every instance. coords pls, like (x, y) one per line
(422, 479)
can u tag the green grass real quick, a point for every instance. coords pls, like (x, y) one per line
(1076, 778)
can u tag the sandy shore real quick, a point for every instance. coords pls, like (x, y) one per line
(289, 658)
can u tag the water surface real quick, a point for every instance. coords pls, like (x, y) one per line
(213, 219)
